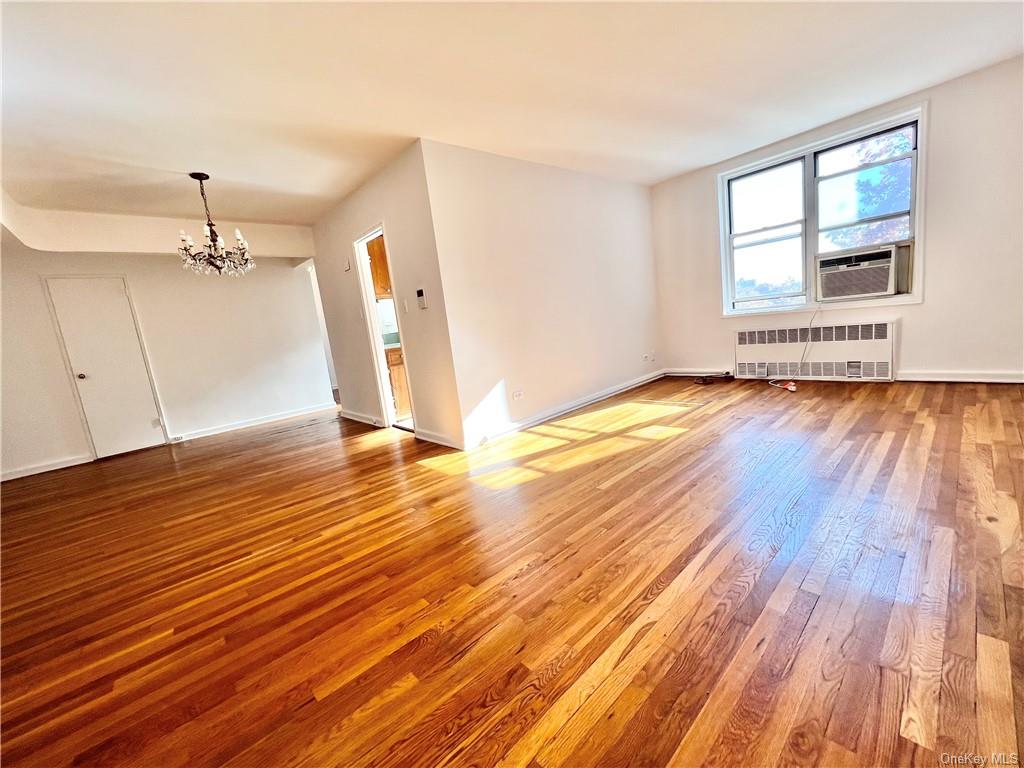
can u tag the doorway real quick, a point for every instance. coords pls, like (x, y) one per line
(383, 325)
(103, 349)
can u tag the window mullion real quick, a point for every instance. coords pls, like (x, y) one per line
(810, 227)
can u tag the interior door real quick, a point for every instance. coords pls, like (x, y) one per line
(102, 343)
(379, 267)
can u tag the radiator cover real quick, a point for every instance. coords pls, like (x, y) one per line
(834, 352)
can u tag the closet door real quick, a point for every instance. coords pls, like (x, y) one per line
(101, 339)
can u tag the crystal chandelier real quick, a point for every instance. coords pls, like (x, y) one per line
(214, 256)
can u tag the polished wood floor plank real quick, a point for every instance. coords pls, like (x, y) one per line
(679, 575)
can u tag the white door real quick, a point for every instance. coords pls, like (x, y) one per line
(98, 327)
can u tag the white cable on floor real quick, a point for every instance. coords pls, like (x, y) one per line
(790, 386)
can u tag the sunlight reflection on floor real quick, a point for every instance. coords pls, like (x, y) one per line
(507, 478)
(616, 417)
(510, 447)
(565, 444)
(656, 432)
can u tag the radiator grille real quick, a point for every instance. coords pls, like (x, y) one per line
(818, 333)
(847, 351)
(828, 369)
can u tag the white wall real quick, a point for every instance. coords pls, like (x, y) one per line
(397, 198)
(548, 281)
(971, 322)
(223, 351)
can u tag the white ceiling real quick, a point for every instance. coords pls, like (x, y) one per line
(106, 107)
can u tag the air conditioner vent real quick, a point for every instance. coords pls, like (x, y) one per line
(857, 275)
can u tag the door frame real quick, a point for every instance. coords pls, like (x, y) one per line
(380, 367)
(69, 369)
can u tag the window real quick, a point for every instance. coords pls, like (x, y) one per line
(766, 213)
(831, 198)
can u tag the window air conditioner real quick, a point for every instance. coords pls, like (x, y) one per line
(857, 275)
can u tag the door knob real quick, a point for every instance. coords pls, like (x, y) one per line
(81, 375)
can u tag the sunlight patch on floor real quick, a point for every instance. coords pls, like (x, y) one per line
(506, 448)
(657, 432)
(622, 416)
(562, 445)
(507, 478)
(563, 432)
(584, 454)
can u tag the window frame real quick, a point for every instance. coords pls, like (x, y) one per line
(808, 153)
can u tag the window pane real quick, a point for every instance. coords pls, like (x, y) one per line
(861, 194)
(790, 230)
(872, 233)
(869, 150)
(769, 269)
(769, 197)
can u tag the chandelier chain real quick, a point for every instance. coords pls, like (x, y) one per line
(206, 205)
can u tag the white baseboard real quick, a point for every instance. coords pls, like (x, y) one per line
(365, 418)
(979, 377)
(35, 469)
(437, 437)
(253, 422)
(696, 371)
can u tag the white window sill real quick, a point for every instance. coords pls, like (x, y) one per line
(901, 299)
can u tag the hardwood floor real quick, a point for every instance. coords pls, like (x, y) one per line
(682, 575)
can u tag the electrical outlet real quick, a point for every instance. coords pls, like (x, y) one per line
(517, 395)
(176, 438)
